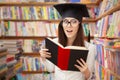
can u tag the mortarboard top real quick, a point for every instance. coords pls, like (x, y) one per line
(74, 10)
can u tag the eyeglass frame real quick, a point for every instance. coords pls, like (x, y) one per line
(69, 22)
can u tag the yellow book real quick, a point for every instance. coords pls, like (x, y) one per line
(26, 9)
(37, 12)
(45, 13)
(13, 12)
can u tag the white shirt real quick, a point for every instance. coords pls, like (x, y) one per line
(73, 75)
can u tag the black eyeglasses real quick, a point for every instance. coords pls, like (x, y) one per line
(72, 22)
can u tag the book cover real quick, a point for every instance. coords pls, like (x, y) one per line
(74, 0)
(65, 57)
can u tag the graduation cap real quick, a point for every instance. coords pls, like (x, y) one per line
(74, 10)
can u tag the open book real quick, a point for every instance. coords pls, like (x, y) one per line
(65, 57)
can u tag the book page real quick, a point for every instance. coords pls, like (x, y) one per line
(69, 47)
(76, 47)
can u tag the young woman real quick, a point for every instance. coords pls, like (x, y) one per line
(70, 33)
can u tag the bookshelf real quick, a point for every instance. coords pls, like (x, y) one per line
(109, 71)
(111, 10)
(107, 60)
(94, 4)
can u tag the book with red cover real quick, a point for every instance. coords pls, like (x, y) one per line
(65, 57)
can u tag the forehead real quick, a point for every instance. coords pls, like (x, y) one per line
(70, 18)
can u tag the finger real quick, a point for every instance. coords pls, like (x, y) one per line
(80, 63)
(47, 53)
(78, 67)
(43, 52)
(83, 62)
(44, 49)
(47, 56)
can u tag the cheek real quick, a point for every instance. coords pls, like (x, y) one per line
(76, 29)
(63, 29)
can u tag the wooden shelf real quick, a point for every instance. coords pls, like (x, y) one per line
(56, 21)
(113, 49)
(25, 20)
(29, 37)
(107, 37)
(89, 20)
(110, 11)
(42, 3)
(27, 3)
(3, 54)
(35, 72)
(24, 37)
(96, 3)
(31, 54)
(118, 76)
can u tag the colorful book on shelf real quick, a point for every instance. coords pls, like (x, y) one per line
(65, 57)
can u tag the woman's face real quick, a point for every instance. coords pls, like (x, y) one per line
(70, 27)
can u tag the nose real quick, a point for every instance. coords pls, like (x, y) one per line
(69, 24)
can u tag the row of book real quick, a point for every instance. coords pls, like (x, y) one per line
(37, 28)
(31, 46)
(109, 26)
(86, 1)
(29, 12)
(13, 46)
(106, 5)
(9, 60)
(11, 28)
(3, 65)
(25, 46)
(41, 76)
(104, 74)
(34, 12)
(83, 1)
(89, 27)
(33, 64)
(108, 56)
(13, 70)
(33, 0)
(14, 49)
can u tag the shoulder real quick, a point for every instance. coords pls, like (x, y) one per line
(89, 45)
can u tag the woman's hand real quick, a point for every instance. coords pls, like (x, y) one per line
(83, 68)
(44, 54)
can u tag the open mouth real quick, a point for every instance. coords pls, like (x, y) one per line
(69, 31)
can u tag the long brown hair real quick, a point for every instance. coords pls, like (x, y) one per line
(79, 40)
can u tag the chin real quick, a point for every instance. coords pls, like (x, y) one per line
(69, 36)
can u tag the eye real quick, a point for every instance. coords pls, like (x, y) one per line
(65, 21)
(74, 21)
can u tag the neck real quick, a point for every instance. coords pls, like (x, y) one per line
(70, 41)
